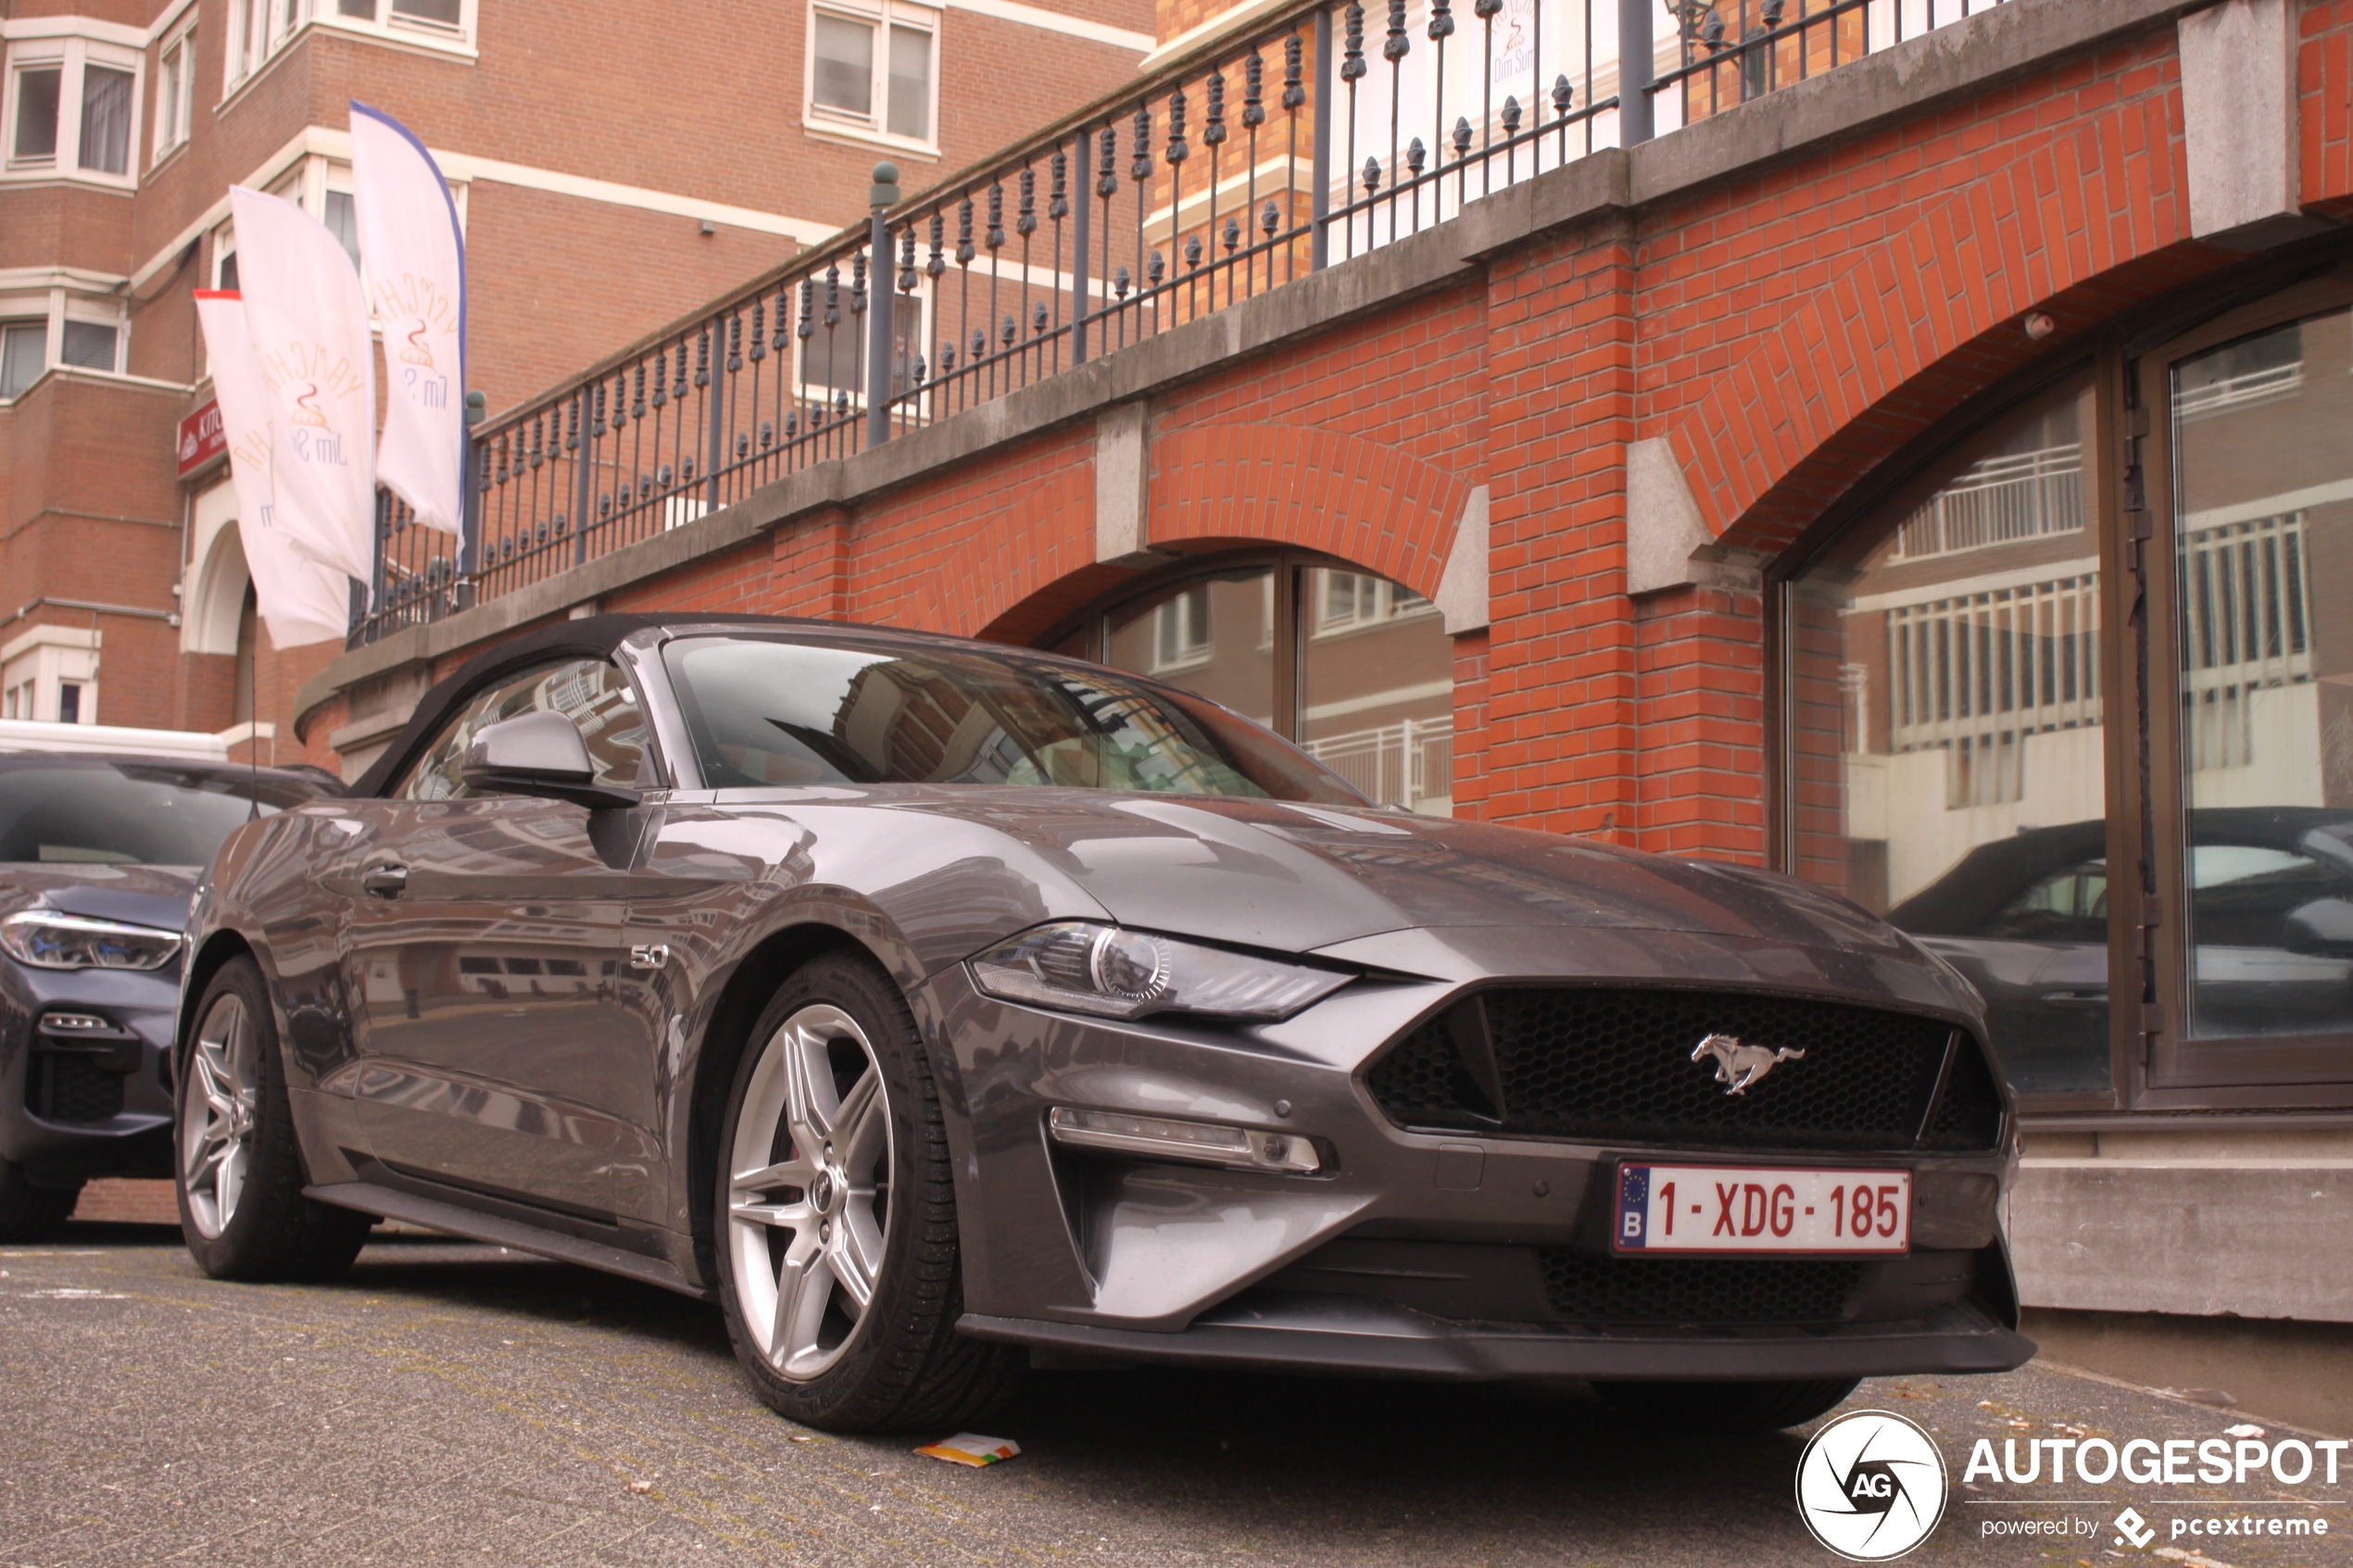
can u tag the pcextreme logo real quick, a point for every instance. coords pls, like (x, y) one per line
(1872, 1485)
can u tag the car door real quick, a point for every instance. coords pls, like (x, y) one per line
(485, 946)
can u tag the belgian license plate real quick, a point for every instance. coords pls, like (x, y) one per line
(1677, 1209)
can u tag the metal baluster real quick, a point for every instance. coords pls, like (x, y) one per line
(1213, 136)
(1351, 70)
(1294, 96)
(995, 240)
(1441, 28)
(1253, 116)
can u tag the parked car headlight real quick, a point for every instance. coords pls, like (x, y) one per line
(47, 939)
(1084, 967)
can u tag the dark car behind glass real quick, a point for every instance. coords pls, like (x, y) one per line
(2271, 918)
(98, 858)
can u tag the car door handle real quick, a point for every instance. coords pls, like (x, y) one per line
(385, 882)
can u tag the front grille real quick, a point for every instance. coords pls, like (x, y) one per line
(70, 1088)
(1697, 1291)
(1614, 1065)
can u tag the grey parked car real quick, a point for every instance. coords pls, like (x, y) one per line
(936, 1005)
(99, 856)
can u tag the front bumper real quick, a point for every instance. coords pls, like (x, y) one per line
(78, 1106)
(1099, 1256)
(1272, 1332)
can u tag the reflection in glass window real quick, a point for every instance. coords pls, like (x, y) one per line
(1215, 636)
(768, 712)
(1946, 732)
(1376, 690)
(2263, 551)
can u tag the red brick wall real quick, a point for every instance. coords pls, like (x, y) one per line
(1785, 332)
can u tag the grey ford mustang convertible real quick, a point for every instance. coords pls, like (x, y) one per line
(939, 1007)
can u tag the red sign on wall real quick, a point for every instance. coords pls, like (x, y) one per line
(201, 438)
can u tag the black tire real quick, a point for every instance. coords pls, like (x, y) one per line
(902, 1366)
(29, 1213)
(272, 1232)
(1728, 1406)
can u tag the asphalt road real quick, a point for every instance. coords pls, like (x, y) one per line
(445, 1403)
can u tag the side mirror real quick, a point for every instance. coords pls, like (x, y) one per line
(538, 754)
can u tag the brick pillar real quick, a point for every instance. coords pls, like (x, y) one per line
(809, 569)
(1561, 671)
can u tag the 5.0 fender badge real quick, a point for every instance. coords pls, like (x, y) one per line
(1738, 1066)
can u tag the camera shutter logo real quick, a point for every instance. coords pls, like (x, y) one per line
(1872, 1485)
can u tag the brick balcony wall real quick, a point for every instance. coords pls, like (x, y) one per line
(1786, 322)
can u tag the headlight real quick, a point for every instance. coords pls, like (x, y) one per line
(1101, 969)
(46, 940)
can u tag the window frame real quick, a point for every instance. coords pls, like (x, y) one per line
(2128, 445)
(244, 60)
(73, 55)
(872, 127)
(175, 111)
(2224, 1070)
(54, 307)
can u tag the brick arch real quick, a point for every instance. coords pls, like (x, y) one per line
(1371, 505)
(1037, 549)
(2081, 227)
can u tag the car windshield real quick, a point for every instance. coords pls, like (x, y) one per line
(769, 711)
(129, 813)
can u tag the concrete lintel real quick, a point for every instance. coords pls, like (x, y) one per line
(2238, 114)
(1663, 524)
(1462, 589)
(1122, 482)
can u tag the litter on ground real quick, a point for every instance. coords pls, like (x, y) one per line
(971, 1447)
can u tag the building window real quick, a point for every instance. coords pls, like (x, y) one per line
(38, 89)
(69, 702)
(873, 71)
(24, 354)
(175, 92)
(1255, 636)
(259, 29)
(1948, 740)
(2257, 822)
(91, 345)
(71, 104)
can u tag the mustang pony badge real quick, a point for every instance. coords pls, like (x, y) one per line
(1738, 1066)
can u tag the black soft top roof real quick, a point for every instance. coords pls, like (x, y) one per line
(592, 637)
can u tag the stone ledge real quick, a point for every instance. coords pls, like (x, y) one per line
(2250, 1238)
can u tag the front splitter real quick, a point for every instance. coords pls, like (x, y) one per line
(1352, 1336)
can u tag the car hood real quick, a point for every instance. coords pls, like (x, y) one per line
(155, 896)
(1294, 877)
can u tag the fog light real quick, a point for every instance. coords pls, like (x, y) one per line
(75, 1023)
(1204, 1142)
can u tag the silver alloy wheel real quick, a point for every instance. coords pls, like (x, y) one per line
(218, 1113)
(808, 1196)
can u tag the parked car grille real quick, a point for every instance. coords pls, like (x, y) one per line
(1697, 1291)
(1614, 1065)
(67, 1088)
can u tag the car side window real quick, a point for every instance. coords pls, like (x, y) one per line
(2065, 906)
(590, 692)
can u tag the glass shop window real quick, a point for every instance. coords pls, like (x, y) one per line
(1947, 740)
(1214, 636)
(2263, 572)
(1377, 689)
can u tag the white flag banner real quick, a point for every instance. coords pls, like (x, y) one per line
(309, 321)
(300, 601)
(415, 261)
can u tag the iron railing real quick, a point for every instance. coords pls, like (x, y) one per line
(1327, 131)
